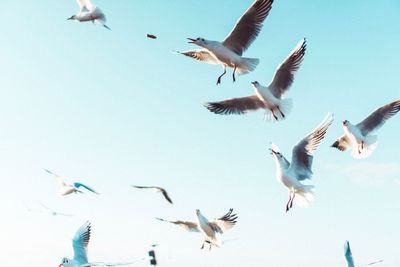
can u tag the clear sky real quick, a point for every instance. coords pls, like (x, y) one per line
(113, 108)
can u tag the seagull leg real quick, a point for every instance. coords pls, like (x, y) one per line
(275, 117)
(233, 74)
(219, 78)
(210, 247)
(283, 115)
(202, 246)
(291, 202)
(288, 203)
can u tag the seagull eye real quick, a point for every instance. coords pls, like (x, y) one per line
(202, 40)
(198, 38)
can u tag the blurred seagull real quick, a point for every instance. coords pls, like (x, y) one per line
(67, 189)
(156, 189)
(80, 245)
(229, 52)
(349, 256)
(359, 136)
(291, 174)
(267, 98)
(89, 12)
(210, 229)
(53, 212)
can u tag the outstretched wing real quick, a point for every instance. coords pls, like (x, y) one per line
(224, 223)
(78, 185)
(235, 105)
(80, 243)
(379, 117)
(248, 26)
(85, 5)
(342, 143)
(284, 75)
(348, 254)
(201, 55)
(143, 187)
(58, 177)
(189, 226)
(302, 155)
(165, 194)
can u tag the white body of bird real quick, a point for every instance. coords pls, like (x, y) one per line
(363, 146)
(209, 233)
(89, 12)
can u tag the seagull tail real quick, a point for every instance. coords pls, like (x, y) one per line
(305, 196)
(247, 65)
(370, 143)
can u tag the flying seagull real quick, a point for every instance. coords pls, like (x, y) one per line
(156, 189)
(292, 174)
(67, 189)
(268, 98)
(229, 52)
(89, 12)
(53, 212)
(210, 229)
(349, 256)
(80, 245)
(359, 136)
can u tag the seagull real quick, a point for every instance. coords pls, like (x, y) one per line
(229, 52)
(89, 12)
(67, 189)
(156, 189)
(210, 229)
(268, 98)
(349, 256)
(53, 212)
(359, 136)
(80, 245)
(292, 174)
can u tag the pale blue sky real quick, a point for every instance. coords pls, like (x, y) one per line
(113, 108)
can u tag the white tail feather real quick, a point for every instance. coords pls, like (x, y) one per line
(285, 106)
(247, 65)
(370, 143)
(304, 196)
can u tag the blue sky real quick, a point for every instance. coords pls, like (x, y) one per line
(113, 108)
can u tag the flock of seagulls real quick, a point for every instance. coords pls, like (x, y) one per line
(292, 175)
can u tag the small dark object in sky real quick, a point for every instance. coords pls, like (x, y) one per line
(151, 36)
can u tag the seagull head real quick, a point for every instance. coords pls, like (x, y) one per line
(73, 17)
(197, 211)
(198, 41)
(65, 262)
(255, 83)
(345, 123)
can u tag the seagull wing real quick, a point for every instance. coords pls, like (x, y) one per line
(235, 105)
(189, 226)
(80, 243)
(201, 55)
(60, 180)
(348, 254)
(379, 117)
(224, 223)
(143, 187)
(85, 5)
(248, 26)
(106, 264)
(302, 155)
(78, 185)
(165, 194)
(284, 75)
(342, 143)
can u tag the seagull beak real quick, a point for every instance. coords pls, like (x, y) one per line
(60, 265)
(272, 151)
(192, 41)
(70, 18)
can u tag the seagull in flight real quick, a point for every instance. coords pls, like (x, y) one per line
(156, 189)
(211, 230)
(268, 98)
(359, 136)
(53, 212)
(349, 256)
(292, 174)
(229, 52)
(80, 245)
(66, 189)
(89, 12)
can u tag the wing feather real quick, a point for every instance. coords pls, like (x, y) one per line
(342, 143)
(379, 117)
(302, 155)
(248, 26)
(201, 55)
(224, 223)
(285, 72)
(236, 105)
(80, 243)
